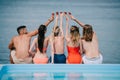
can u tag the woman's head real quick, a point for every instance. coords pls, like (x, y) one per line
(87, 32)
(75, 35)
(41, 36)
(56, 31)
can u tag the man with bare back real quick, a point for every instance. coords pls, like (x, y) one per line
(21, 43)
(57, 42)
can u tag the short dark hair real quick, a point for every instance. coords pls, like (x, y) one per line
(20, 27)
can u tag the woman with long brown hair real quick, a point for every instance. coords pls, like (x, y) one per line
(90, 44)
(40, 43)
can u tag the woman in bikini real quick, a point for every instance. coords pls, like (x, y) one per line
(40, 44)
(74, 45)
(90, 44)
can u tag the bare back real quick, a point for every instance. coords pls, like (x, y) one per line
(22, 45)
(59, 45)
(45, 45)
(91, 48)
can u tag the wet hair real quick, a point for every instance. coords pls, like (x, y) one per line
(19, 28)
(41, 36)
(56, 33)
(87, 32)
(75, 35)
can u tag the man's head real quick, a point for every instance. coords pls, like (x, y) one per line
(87, 32)
(56, 31)
(22, 30)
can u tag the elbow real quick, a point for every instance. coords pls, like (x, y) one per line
(9, 47)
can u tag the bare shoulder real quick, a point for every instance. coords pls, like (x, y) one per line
(82, 40)
(94, 35)
(14, 37)
(62, 36)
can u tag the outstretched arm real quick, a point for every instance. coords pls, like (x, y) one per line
(35, 32)
(77, 21)
(61, 23)
(49, 20)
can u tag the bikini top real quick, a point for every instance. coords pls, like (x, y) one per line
(44, 49)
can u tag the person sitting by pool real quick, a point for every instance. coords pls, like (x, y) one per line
(21, 43)
(41, 44)
(57, 42)
(90, 44)
(74, 44)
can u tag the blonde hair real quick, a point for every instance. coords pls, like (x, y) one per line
(75, 35)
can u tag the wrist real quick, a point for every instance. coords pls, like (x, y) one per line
(49, 20)
(74, 19)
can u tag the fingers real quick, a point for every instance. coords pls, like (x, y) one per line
(65, 13)
(52, 14)
(69, 13)
(61, 12)
(57, 13)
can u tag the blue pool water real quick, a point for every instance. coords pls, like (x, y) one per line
(60, 72)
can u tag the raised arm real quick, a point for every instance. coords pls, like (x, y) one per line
(56, 20)
(61, 23)
(35, 32)
(49, 20)
(77, 21)
(67, 27)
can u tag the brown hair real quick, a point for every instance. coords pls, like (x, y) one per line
(54, 31)
(75, 35)
(87, 32)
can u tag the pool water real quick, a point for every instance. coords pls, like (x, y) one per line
(60, 72)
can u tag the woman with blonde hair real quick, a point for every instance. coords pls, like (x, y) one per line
(74, 45)
(90, 44)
